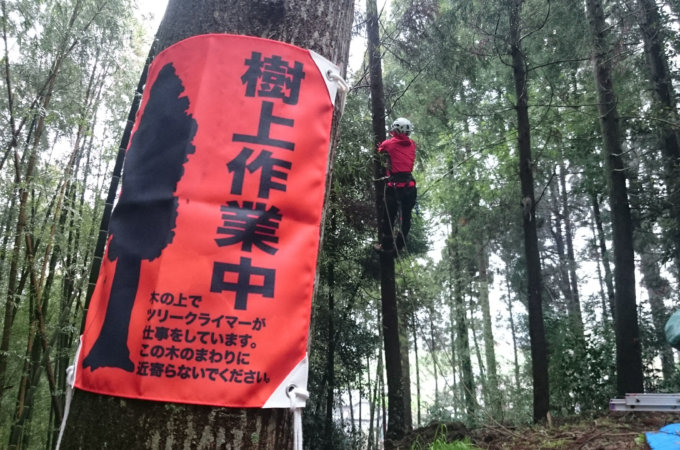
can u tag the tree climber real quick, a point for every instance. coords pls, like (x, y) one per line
(400, 188)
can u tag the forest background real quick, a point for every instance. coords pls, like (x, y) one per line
(464, 284)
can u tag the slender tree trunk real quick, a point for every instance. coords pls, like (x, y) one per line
(604, 254)
(628, 346)
(571, 258)
(361, 401)
(31, 361)
(435, 364)
(397, 425)
(558, 236)
(604, 305)
(371, 404)
(351, 409)
(661, 79)
(383, 409)
(539, 350)
(478, 353)
(462, 339)
(658, 288)
(456, 386)
(513, 334)
(322, 26)
(495, 403)
(404, 344)
(330, 356)
(414, 329)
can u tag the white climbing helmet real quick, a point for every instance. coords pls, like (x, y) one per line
(402, 126)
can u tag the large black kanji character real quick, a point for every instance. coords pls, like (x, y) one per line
(267, 164)
(277, 79)
(250, 224)
(267, 118)
(238, 166)
(277, 75)
(243, 287)
(263, 162)
(144, 218)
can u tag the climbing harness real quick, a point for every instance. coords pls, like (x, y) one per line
(403, 184)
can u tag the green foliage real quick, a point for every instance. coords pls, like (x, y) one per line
(581, 371)
(71, 71)
(442, 443)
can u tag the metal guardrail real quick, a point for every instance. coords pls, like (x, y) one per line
(646, 402)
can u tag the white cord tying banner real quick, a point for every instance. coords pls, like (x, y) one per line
(297, 397)
(342, 86)
(70, 381)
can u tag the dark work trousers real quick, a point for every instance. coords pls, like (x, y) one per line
(396, 197)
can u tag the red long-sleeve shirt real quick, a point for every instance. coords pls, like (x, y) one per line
(402, 151)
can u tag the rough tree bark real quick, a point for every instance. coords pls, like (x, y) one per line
(396, 425)
(661, 79)
(539, 350)
(628, 346)
(96, 421)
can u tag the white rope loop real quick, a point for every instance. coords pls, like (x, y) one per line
(343, 87)
(70, 382)
(297, 397)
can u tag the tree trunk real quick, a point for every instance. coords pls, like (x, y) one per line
(322, 26)
(664, 105)
(456, 387)
(371, 403)
(648, 246)
(433, 354)
(478, 353)
(396, 426)
(462, 339)
(414, 329)
(404, 344)
(539, 350)
(352, 426)
(558, 236)
(658, 289)
(495, 404)
(575, 305)
(513, 334)
(330, 355)
(628, 347)
(31, 363)
(604, 254)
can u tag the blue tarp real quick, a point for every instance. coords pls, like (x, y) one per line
(667, 437)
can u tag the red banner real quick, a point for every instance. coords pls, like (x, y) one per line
(204, 294)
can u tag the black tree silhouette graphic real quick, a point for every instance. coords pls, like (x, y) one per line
(143, 221)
